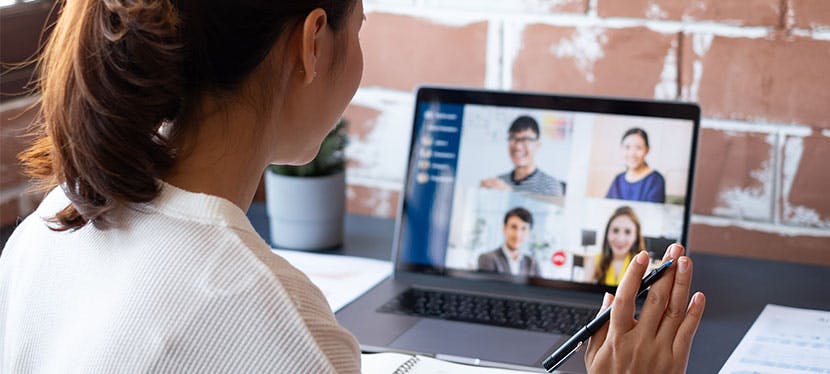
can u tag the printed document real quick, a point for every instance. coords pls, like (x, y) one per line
(341, 278)
(784, 340)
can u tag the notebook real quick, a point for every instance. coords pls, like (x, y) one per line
(518, 211)
(401, 363)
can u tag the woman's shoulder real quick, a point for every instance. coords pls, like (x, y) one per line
(654, 176)
(619, 178)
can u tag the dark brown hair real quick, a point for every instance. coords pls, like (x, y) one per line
(522, 213)
(114, 71)
(607, 255)
(636, 131)
(524, 123)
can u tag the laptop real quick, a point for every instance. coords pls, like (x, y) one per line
(518, 211)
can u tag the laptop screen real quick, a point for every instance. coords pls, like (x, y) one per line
(549, 190)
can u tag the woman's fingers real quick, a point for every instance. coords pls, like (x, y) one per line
(676, 308)
(686, 332)
(622, 317)
(658, 296)
(598, 338)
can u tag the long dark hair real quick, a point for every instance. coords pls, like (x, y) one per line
(607, 255)
(114, 71)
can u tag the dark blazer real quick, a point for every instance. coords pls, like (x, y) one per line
(496, 261)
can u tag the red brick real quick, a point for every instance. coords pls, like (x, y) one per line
(619, 62)
(733, 175)
(776, 80)
(379, 142)
(402, 52)
(552, 6)
(21, 35)
(372, 201)
(361, 120)
(568, 6)
(744, 12)
(805, 200)
(810, 13)
(9, 212)
(13, 124)
(736, 241)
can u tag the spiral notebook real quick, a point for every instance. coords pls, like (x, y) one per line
(401, 363)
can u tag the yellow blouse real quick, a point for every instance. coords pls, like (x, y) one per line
(611, 276)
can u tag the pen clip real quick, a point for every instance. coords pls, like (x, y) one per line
(562, 361)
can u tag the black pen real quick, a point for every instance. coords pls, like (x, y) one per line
(565, 351)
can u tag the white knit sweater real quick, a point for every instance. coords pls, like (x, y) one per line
(183, 284)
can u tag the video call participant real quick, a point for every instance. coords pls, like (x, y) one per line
(523, 142)
(508, 258)
(639, 182)
(623, 239)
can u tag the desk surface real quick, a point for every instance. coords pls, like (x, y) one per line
(736, 288)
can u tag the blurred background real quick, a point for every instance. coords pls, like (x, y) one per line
(760, 70)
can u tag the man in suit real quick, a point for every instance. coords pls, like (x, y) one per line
(508, 258)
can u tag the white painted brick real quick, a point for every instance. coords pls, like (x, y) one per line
(495, 52)
(391, 2)
(382, 155)
(500, 6)
(761, 226)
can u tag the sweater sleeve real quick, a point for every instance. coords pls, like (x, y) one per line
(339, 346)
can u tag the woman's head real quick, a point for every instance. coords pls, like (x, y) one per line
(622, 234)
(114, 71)
(622, 237)
(635, 147)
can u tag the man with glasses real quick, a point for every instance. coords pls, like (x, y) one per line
(523, 142)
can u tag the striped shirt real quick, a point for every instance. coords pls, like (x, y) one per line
(536, 182)
(183, 284)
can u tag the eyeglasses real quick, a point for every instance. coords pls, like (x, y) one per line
(524, 140)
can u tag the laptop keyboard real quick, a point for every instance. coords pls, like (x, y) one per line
(493, 311)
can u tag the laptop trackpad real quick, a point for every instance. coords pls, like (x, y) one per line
(488, 343)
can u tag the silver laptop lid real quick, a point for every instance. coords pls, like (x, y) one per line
(548, 190)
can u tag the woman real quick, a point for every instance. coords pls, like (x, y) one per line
(639, 181)
(622, 241)
(157, 119)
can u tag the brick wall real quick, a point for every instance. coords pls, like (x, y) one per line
(15, 198)
(760, 70)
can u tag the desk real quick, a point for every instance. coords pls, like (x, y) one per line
(736, 288)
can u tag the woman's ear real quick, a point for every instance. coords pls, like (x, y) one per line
(314, 27)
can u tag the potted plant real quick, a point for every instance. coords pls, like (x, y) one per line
(305, 204)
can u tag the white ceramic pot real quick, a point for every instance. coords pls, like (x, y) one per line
(305, 212)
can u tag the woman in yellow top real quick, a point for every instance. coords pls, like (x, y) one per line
(623, 239)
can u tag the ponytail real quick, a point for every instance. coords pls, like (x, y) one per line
(110, 76)
(114, 71)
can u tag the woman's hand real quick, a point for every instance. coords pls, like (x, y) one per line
(659, 342)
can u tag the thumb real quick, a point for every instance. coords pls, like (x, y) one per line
(599, 337)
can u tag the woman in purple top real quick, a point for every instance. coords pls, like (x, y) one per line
(639, 181)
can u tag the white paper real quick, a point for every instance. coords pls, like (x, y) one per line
(393, 362)
(341, 278)
(784, 340)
